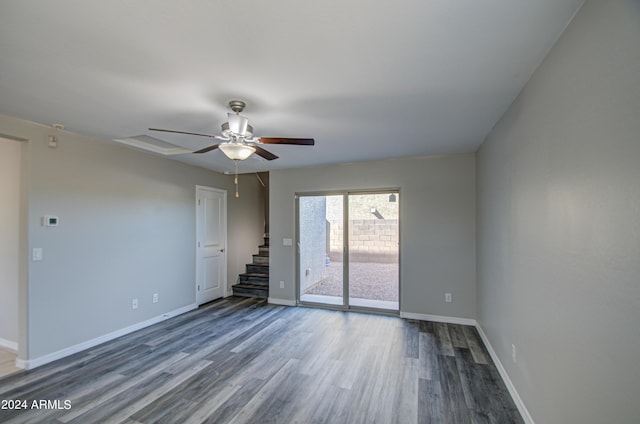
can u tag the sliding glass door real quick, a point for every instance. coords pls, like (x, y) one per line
(348, 250)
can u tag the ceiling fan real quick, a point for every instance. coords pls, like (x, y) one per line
(237, 141)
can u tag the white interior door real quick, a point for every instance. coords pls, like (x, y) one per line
(211, 244)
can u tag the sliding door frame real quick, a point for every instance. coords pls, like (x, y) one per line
(345, 250)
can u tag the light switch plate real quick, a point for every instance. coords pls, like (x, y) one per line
(37, 254)
(287, 242)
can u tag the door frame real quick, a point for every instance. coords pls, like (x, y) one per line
(345, 249)
(225, 288)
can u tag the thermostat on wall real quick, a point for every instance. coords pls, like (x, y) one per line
(51, 221)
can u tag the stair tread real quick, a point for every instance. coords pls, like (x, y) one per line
(255, 274)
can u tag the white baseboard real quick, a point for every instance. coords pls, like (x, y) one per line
(283, 302)
(33, 363)
(505, 377)
(9, 345)
(438, 318)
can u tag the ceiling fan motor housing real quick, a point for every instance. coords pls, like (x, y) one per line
(226, 131)
(237, 105)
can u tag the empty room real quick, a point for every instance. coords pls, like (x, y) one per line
(320, 212)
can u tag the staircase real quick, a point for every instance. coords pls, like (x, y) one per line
(255, 282)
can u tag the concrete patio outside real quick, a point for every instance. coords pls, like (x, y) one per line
(371, 284)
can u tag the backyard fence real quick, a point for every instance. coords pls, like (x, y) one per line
(370, 240)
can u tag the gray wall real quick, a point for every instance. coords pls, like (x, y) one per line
(9, 239)
(559, 225)
(127, 230)
(437, 224)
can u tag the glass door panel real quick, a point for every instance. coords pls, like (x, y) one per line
(321, 249)
(374, 260)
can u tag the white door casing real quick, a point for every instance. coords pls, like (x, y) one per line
(211, 244)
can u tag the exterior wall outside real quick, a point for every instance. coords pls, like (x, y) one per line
(372, 239)
(313, 240)
(360, 206)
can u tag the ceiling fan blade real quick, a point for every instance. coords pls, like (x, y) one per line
(264, 153)
(207, 149)
(282, 140)
(184, 132)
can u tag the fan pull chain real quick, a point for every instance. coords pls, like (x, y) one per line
(235, 180)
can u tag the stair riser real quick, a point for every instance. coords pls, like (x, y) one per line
(256, 281)
(264, 250)
(266, 241)
(261, 269)
(245, 292)
(260, 260)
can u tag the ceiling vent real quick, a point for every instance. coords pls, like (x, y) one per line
(154, 145)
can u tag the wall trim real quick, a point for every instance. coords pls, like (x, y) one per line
(33, 363)
(438, 318)
(283, 302)
(8, 344)
(505, 377)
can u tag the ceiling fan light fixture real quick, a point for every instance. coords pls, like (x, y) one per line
(236, 151)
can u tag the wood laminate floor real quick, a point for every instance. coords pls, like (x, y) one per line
(242, 361)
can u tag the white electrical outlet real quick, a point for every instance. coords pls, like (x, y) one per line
(281, 284)
(514, 353)
(155, 298)
(448, 298)
(134, 304)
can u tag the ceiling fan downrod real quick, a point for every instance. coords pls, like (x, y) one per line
(235, 179)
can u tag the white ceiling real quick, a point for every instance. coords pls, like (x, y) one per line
(368, 80)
